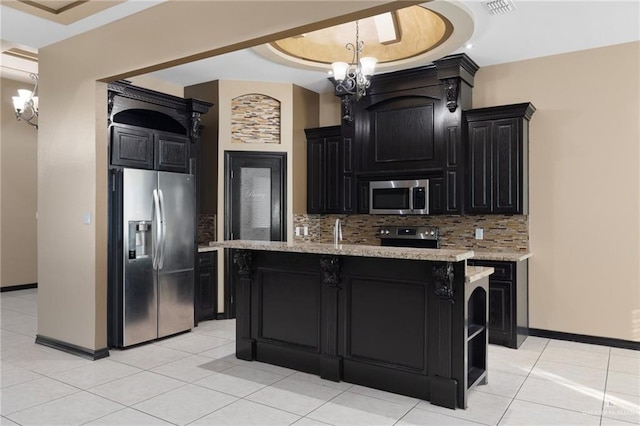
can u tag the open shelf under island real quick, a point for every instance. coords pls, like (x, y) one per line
(404, 320)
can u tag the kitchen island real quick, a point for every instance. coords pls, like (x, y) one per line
(405, 320)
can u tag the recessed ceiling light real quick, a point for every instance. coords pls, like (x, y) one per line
(499, 7)
(468, 45)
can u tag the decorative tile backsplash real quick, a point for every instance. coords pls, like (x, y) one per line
(501, 232)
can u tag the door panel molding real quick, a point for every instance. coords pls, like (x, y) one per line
(233, 161)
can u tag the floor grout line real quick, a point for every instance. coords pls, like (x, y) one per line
(523, 382)
(184, 382)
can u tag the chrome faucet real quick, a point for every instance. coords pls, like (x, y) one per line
(337, 232)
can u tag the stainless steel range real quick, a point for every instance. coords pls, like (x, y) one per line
(409, 236)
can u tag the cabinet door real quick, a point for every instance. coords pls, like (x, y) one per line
(206, 287)
(500, 311)
(334, 167)
(403, 133)
(479, 191)
(436, 196)
(315, 176)
(348, 179)
(131, 147)
(171, 152)
(507, 180)
(363, 197)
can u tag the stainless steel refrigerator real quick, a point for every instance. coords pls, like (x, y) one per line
(152, 255)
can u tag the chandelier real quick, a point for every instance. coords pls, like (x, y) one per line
(355, 78)
(26, 103)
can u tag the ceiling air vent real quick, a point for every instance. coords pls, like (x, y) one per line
(499, 7)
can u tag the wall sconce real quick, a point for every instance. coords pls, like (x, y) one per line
(26, 103)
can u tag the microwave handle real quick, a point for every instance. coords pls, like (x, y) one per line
(411, 197)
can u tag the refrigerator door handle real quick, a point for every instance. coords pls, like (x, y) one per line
(157, 229)
(163, 231)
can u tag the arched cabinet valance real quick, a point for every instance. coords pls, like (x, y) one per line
(153, 130)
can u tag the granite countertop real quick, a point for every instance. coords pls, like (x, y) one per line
(440, 255)
(505, 256)
(474, 273)
(203, 248)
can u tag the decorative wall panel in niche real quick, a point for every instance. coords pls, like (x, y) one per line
(255, 118)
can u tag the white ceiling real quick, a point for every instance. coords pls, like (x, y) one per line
(534, 29)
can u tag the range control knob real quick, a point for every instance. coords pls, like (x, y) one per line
(386, 232)
(432, 233)
(382, 232)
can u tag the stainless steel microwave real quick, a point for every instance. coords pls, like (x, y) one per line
(399, 197)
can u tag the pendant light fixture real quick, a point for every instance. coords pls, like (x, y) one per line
(353, 79)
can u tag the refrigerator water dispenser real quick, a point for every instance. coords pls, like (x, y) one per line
(139, 239)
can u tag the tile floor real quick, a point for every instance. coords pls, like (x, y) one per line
(194, 379)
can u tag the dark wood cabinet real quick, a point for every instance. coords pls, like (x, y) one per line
(363, 197)
(153, 130)
(377, 322)
(436, 196)
(508, 302)
(206, 287)
(143, 148)
(400, 131)
(330, 180)
(497, 159)
(409, 126)
(132, 147)
(171, 152)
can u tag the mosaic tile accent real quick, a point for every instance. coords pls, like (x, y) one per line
(206, 228)
(255, 118)
(501, 232)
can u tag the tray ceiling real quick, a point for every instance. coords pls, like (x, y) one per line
(62, 12)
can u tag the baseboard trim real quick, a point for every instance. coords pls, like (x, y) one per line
(18, 287)
(583, 338)
(72, 349)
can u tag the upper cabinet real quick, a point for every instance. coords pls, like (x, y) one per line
(409, 126)
(143, 148)
(497, 145)
(330, 183)
(152, 130)
(400, 131)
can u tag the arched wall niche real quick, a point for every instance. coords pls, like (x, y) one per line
(255, 119)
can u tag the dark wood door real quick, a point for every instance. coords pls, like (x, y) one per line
(206, 287)
(402, 133)
(132, 146)
(316, 176)
(255, 205)
(171, 152)
(479, 190)
(334, 172)
(363, 197)
(330, 179)
(436, 196)
(348, 178)
(500, 311)
(506, 156)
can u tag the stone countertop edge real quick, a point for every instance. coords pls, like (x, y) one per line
(440, 255)
(504, 256)
(475, 273)
(206, 248)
